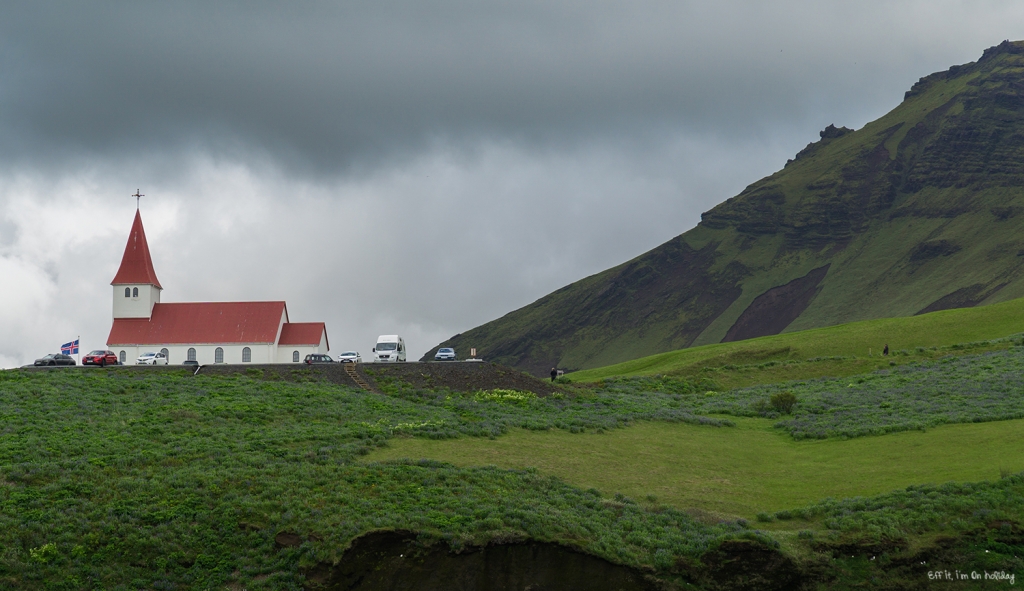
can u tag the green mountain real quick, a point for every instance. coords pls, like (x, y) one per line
(917, 211)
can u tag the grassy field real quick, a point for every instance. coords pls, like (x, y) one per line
(740, 471)
(128, 479)
(845, 349)
(131, 479)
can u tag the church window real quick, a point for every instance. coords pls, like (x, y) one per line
(295, 356)
(127, 292)
(246, 355)
(218, 355)
(166, 354)
(191, 354)
(135, 292)
(124, 356)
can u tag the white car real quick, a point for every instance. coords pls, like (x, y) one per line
(445, 354)
(151, 359)
(350, 357)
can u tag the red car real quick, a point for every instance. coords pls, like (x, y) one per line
(100, 358)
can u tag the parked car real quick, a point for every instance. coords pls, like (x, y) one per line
(318, 358)
(151, 359)
(100, 357)
(350, 357)
(55, 359)
(445, 354)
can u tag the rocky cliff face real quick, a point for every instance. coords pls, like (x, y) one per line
(917, 211)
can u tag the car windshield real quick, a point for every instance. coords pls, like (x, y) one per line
(387, 346)
(350, 354)
(98, 353)
(445, 350)
(50, 356)
(148, 355)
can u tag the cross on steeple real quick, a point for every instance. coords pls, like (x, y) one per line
(137, 195)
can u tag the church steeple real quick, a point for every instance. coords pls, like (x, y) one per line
(136, 288)
(136, 264)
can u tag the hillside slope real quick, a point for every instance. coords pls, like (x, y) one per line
(917, 211)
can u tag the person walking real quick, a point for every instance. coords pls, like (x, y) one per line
(554, 374)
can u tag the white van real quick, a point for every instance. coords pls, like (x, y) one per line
(390, 348)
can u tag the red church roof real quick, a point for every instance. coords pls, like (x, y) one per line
(303, 333)
(202, 323)
(136, 264)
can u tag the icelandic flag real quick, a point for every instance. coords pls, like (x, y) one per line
(70, 348)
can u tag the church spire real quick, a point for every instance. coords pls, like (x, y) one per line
(136, 264)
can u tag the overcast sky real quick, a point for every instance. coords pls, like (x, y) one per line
(411, 167)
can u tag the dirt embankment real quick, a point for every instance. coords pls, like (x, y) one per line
(399, 560)
(458, 376)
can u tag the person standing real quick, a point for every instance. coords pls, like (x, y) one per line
(885, 351)
(554, 374)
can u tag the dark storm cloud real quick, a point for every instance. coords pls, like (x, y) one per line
(326, 86)
(411, 167)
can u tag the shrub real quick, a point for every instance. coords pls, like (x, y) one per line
(783, 401)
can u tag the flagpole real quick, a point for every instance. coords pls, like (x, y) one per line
(78, 340)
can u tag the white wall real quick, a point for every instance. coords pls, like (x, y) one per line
(135, 307)
(205, 354)
(284, 352)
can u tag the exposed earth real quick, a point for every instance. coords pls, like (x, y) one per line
(460, 376)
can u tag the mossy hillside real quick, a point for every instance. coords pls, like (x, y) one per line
(917, 211)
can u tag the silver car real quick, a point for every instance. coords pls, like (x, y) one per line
(350, 357)
(445, 354)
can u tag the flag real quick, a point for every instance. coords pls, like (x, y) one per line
(70, 348)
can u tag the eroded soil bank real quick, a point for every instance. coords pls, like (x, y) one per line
(397, 561)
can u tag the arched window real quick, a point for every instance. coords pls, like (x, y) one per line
(124, 357)
(135, 292)
(166, 354)
(246, 355)
(127, 292)
(218, 355)
(295, 356)
(191, 354)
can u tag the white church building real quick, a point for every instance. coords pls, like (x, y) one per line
(206, 332)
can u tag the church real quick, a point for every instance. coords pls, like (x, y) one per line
(204, 332)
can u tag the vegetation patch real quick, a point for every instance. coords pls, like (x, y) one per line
(976, 388)
(748, 469)
(121, 479)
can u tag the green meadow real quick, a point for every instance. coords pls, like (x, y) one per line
(845, 349)
(740, 471)
(132, 479)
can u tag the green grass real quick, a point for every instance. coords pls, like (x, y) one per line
(740, 471)
(129, 479)
(859, 344)
(134, 479)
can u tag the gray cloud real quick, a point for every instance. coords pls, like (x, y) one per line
(329, 87)
(502, 149)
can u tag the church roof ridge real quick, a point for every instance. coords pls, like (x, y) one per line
(136, 263)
